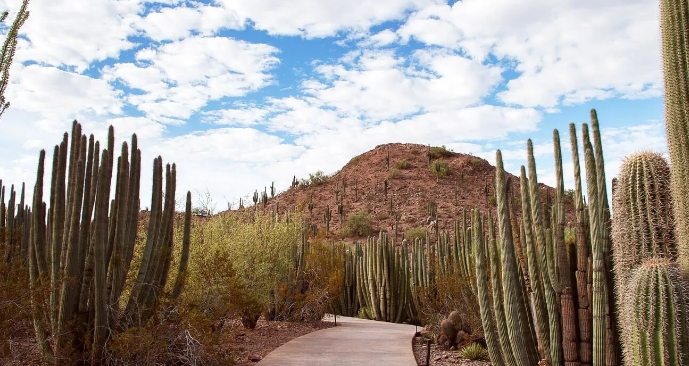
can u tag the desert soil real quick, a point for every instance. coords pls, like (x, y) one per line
(440, 356)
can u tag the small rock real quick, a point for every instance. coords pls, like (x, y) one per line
(254, 358)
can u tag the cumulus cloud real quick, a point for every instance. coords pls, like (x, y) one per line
(316, 19)
(564, 52)
(175, 23)
(76, 33)
(180, 77)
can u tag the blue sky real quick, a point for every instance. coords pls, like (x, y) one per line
(240, 93)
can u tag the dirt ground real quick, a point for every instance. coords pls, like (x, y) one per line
(254, 344)
(440, 356)
(249, 345)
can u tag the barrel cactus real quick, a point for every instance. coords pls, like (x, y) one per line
(655, 313)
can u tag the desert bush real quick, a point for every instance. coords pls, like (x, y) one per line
(394, 173)
(320, 282)
(260, 249)
(440, 168)
(184, 337)
(438, 152)
(474, 352)
(15, 299)
(402, 164)
(314, 179)
(569, 196)
(359, 224)
(476, 161)
(451, 292)
(416, 233)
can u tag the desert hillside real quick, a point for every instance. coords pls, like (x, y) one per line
(410, 186)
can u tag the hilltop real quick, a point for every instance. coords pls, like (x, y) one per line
(411, 184)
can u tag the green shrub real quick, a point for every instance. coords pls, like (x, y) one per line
(314, 179)
(474, 352)
(569, 196)
(416, 232)
(440, 168)
(394, 173)
(438, 152)
(359, 224)
(402, 164)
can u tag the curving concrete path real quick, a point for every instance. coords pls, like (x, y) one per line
(352, 342)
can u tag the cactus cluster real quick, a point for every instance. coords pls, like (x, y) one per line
(543, 301)
(81, 245)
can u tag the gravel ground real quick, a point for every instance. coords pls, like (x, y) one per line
(440, 356)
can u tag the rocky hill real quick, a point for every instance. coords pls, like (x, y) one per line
(411, 184)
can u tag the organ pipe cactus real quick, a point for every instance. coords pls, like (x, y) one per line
(87, 260)
(519, 332)
(675, 50)
(562, 283)
(482, 292)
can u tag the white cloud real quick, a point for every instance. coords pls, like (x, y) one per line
(383, 38)
(569, 51)
(180, 77)
(315, 18)
(76, 33)
(240, 117)
(179, 22)
(378, 85)
(42, 89)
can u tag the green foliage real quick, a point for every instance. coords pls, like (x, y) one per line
(414, 233)
(322, 278)
(315, 179)
(394, 173)
(474, 352)
(359, 224)
(569, 195)
(354, 160)
(260, 249)
(438, 152)
(476, 161)
(402, 164)
(440, 168)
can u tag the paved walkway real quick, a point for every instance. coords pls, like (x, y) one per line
(352, 342)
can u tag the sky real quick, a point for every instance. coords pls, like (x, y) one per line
(240, 93)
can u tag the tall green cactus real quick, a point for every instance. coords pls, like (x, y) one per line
(516, 317)
(540, 235)
(89, 259)
(487, 320)
(674, 27)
